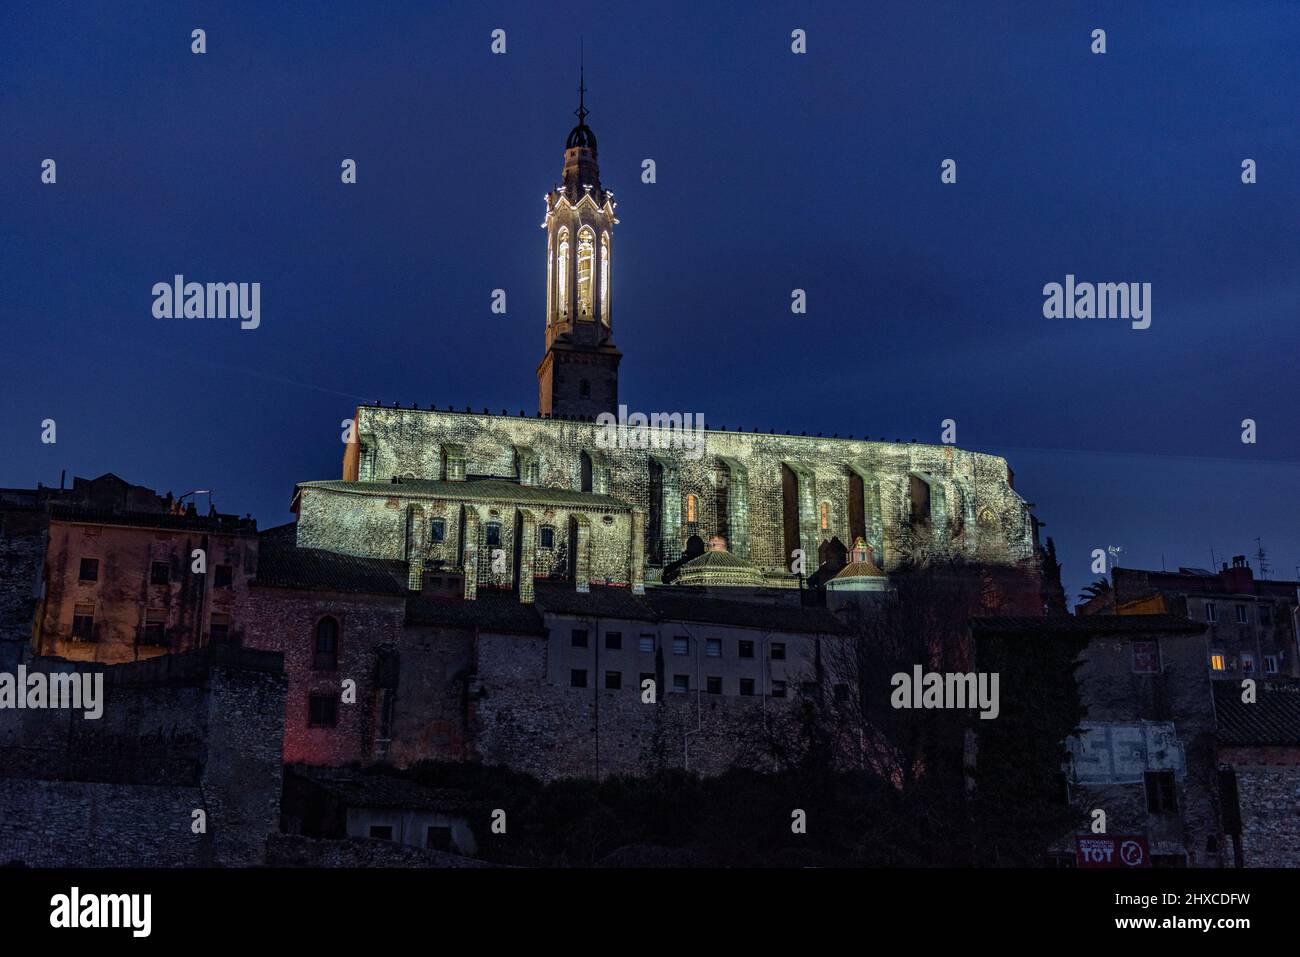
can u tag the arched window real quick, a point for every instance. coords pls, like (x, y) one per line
(604, 278)
(586, 255)
(824, 516)
(562, 272)
(326, 657)
(692, 509)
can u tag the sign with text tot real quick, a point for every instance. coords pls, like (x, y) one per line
(1116, 850)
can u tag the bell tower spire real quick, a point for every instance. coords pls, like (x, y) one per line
(578, 376)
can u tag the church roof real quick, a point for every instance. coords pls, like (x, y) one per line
(474, 490)
(718, 567)
(285, 566)
(866, 569)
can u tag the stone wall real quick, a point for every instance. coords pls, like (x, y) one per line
(1268, 794)
(179, 733)
(22, 549)
(978, 513)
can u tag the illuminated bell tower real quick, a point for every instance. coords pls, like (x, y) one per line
(578, 376)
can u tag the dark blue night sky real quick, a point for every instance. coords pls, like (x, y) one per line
(775, 172)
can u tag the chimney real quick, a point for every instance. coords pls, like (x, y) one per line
(1238, 579)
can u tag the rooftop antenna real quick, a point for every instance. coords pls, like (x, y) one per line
(1262, 555)
(581, 111)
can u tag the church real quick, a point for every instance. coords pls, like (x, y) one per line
(500, 501)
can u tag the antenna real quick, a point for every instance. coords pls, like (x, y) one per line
(1262, 556)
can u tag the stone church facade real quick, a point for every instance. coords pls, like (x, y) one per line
(506, 499)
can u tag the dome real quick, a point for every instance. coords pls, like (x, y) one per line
(719, 567)
(581, 136)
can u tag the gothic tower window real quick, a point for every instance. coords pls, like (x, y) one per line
(692, 509)
(562, 273)
(604, 278)
(824, 516)
(586, 254)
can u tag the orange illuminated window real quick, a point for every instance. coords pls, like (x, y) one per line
(691, 505)
(825, 516)
(1217, 662)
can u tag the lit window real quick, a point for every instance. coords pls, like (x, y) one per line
(1247, 663)
(1146, 658)
(646, 643)
(1218, 662)
(824, 512)
(586, 252)
(1270, 664)
(692, 505)
(562, 273)
(604, 278)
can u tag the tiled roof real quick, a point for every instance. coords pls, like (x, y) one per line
(1274, 717)
(1087, 625)
(282, 566)
(475, 490)
(604, 601)
(225, 524)
(502, 612)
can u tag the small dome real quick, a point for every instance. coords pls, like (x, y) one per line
(581, 136)
(719, 567)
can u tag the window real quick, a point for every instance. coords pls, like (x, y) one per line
(383, 832)
(778, 651)
(159, 573)
(586, 253)
(578, 638)
(646, 643)
(1241, 615)
(219, 629)
(223, 577)
(1265, 615)
(1270, 665)
(778, 689)
(824, 515)
(155, 627)
(613, 680)
(547, 537)
(578, 678)
(681, 646)
(841, 692)
(747, 687)
(326, 656)
(493, 534)
(692, 508)
(584, 389)
(713, 684)
(920, 496)
(1162, 792)
(1146, 658)
(438, 838)
(83, 623)
(713, 648)
(681, 683)
(1247, 663)
(604, 278)
(747, 649)
(1218, 662)
(562, 273)
(1210, 613)
(614, 640)
(808, 689)
(89, 570)
(437, 530)
(322, 711)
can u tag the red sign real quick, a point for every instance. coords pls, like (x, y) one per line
(1112, 851)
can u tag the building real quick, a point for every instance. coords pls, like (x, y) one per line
(1251, 622)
